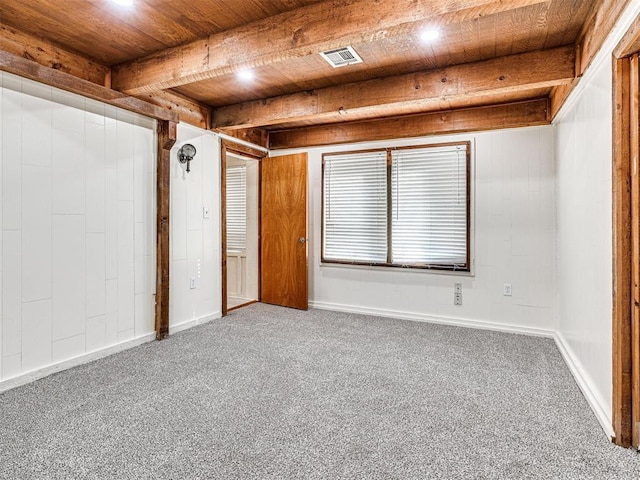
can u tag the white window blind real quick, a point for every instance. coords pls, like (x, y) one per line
(236, 185)
(404, 207)
(355, 207)
(429, 206)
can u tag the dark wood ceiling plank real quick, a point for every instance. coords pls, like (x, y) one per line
(406, 93)
(574, 12)
(169, 27)
(521, 114)
(292, 34)
(539, 27)
(127, 33)
(115, 40)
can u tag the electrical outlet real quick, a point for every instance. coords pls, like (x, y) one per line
(507, 290)
(458, 287)
(192, 283)
(457, 299)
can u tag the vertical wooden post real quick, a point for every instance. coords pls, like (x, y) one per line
(622, 255)
(167, 134)
(634, 148)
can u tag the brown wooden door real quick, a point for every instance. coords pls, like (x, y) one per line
(284, 231)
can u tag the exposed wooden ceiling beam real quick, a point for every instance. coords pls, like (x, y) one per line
(605, 15)
(189, 111)
(27, 68)
(413, 93)
(27, 46)
(596, 31)
(305, 31)
(45, 53)
(521, 114)
(257, 136)
(630, 43)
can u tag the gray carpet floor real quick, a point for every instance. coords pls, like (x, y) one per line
(273, 393)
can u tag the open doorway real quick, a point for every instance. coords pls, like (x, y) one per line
(280, 226)
(242, 194)
(240, 200)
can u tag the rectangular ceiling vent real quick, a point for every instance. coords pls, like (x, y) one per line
(341, 57)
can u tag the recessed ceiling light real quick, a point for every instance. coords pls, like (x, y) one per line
(246, 75)
(429, 35)
(124, 3)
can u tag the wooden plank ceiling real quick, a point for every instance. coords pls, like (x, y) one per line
(186, 55)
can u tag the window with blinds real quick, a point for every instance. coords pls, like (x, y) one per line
(355, 207)
(236, 186)
(405, 207)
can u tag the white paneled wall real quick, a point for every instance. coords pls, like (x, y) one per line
(195, 240)
(583, 139)
(513, 242)
(584, 158)
(78, 222)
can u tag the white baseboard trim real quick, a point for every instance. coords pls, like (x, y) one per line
(39, 373)
(585, 384)
(194, 322)
(591, 394)
(593, 398)
(420, 317)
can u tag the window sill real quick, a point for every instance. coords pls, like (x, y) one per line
(380, 268)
